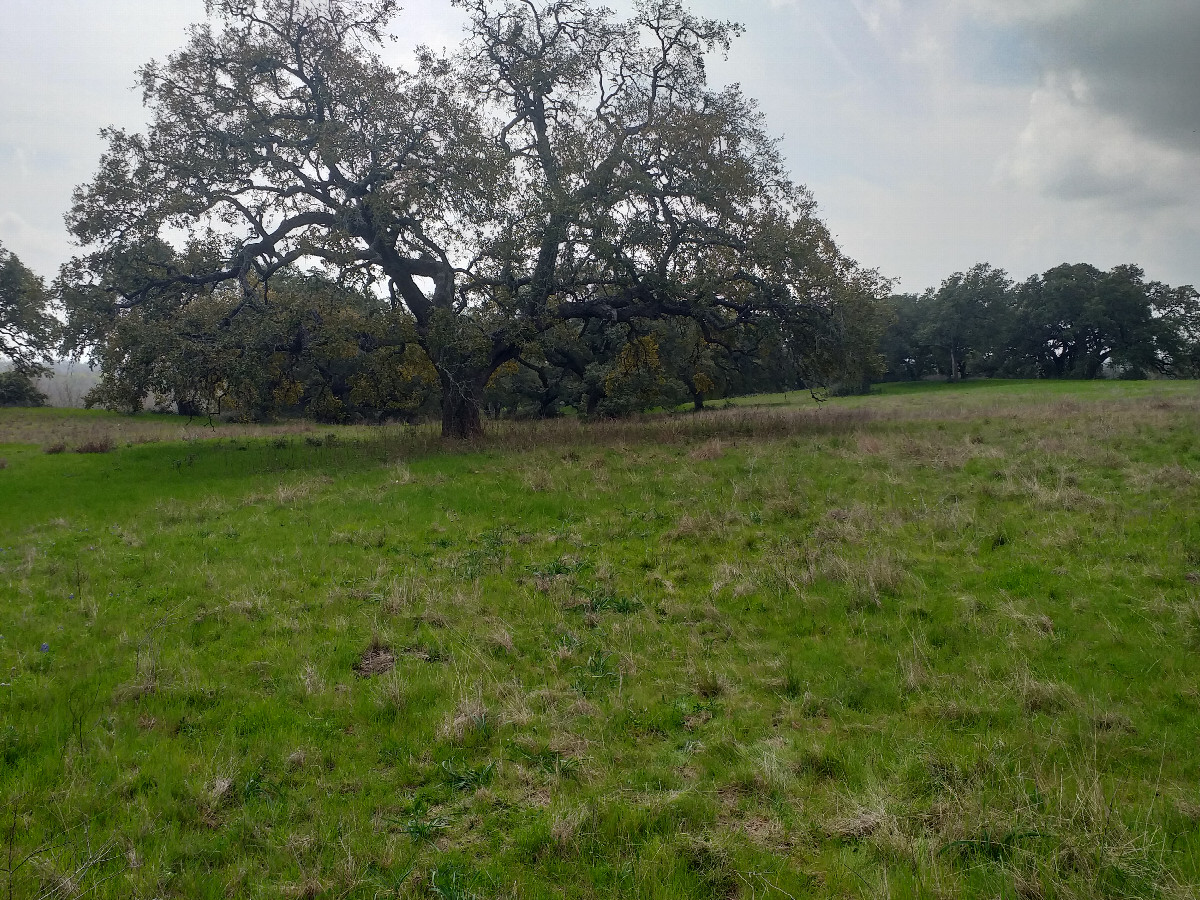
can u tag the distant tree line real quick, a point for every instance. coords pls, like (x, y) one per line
(336, 352)
(1072, 321)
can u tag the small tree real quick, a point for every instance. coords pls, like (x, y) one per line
(27, 330)
(18, 389)
(966, 319)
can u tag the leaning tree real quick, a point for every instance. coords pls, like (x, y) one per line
(561, 167)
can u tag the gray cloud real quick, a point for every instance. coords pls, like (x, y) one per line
(1073, 149)
(1115, 118)
(1141, 62)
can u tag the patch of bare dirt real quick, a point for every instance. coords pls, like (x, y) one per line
(375, 660)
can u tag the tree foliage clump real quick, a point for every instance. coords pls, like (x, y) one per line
(1073, 321)
(316, 348)
(28, 332)
(565, 178)
(18, 389)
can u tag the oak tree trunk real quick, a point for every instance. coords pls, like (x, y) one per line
(462, 400)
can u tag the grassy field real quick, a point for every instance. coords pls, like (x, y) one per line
(943, 641)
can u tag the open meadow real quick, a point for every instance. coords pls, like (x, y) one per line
(939, 641)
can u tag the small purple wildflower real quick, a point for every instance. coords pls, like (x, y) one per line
(45, 648)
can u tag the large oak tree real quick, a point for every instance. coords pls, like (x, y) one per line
(562, 167)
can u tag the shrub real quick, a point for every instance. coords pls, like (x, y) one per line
(103, 444)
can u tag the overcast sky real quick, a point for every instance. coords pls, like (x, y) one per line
(934, 133)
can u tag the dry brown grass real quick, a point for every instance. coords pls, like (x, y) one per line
(500, 640)
(101, 443)
(1048, 698)
(290, 493)
(857, 824)
(49, 428)
(471, 716)
(711, 449)
(709, 431)
(1037, 623)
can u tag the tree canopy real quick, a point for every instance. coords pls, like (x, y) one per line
(562, 173)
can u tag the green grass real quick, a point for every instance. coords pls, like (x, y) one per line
(940, 641)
